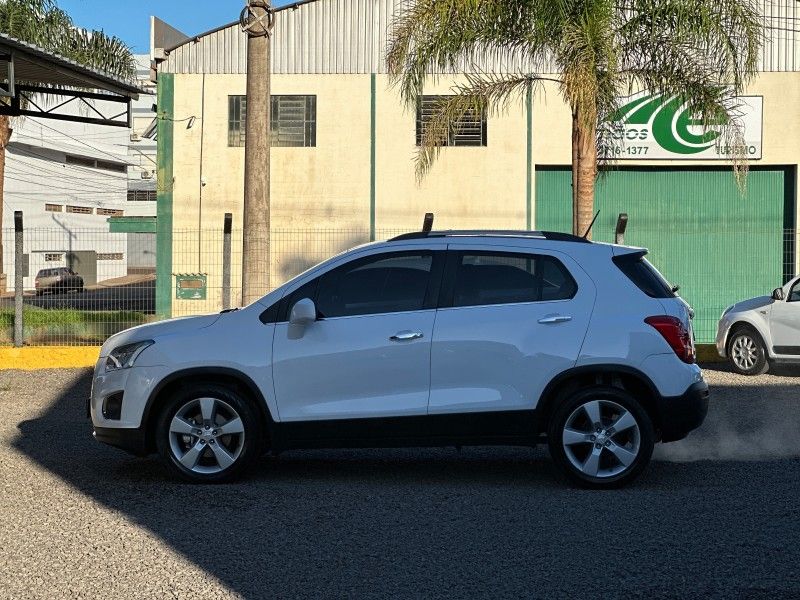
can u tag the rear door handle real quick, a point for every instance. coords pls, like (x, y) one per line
(555, 319)
(403, 336)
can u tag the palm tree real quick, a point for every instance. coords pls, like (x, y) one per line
(702, 53)
(44, 24)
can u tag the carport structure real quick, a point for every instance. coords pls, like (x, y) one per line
(38, 83)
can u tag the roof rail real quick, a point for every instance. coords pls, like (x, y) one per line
(542, 235)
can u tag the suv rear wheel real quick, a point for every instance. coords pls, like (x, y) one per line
(601, 437)
(208, 433)
(746, 352)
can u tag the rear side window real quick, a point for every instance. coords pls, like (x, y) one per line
(644, 275)
(485, 278)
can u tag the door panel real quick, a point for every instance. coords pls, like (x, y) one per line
(500, 357)
(784, 323)
(349, 367)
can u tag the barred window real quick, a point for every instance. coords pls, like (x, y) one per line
(53, 208)
(80, 210)
(293, 120)
(53, 257)
(469, 130)
(142, 196)
(109, 212)
(109, 256)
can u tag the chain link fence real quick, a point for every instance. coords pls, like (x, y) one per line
(81, 286)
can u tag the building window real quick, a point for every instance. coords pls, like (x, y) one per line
(469, 130)
(83, 161)
(109, 212)
(53, 257)
(54, 208)
(142, 196)
(80, 210)
(109, 256)
(293, 120)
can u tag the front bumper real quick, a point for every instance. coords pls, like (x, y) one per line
(130, 440)
(679, 415)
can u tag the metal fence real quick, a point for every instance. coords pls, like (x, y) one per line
(116, 285)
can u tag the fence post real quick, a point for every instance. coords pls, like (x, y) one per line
(226, 262)
(18, 274)
(619, 230)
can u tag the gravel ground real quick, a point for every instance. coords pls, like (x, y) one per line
(716, 515)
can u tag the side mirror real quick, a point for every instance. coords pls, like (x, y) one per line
(303, 312)
(777, 294)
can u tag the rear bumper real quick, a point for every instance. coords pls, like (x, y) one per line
(130, 440)
(681, 414)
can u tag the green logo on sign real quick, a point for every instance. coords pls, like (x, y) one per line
(669, 120)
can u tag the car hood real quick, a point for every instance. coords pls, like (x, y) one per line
(152, 331)
(752, 303)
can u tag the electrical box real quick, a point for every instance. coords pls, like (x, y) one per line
(190, 286)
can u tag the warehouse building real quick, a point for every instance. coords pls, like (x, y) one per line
(343, 172)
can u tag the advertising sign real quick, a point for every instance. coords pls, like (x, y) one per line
(658, 127)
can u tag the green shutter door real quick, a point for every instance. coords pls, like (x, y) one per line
(720, 246)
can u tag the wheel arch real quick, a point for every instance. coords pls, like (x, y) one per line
(624, 377)
(743, 322)
(216, 375)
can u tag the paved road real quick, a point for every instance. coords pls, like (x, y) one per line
(82, 520)
(139, 297)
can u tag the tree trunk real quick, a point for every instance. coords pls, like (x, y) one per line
(575, 155)
(5, 136)
(255, 248)
(587, 174)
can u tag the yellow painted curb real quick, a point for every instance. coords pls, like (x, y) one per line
(48, 357)
(708, 353)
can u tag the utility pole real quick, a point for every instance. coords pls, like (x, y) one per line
(256, 21)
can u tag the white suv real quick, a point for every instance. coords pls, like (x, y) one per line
(755, 332)
(429, 339)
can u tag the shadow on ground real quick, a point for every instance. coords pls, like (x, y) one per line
(486, 522)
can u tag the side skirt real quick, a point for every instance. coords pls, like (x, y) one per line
(506, 428)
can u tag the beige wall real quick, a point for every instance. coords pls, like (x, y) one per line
(321, 195)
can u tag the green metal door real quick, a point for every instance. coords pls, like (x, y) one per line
(703, 234)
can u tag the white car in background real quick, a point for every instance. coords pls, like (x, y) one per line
(755, 332)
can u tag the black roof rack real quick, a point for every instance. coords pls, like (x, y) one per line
(543, 235)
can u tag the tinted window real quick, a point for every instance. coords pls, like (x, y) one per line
(393, 283)
(502, 278)
(644, 275)
(307, 290)
(794, 295)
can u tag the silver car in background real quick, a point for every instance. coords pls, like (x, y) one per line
(753, 333)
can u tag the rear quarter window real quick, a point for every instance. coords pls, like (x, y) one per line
(644, 275)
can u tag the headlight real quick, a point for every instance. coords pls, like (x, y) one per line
(123, 357)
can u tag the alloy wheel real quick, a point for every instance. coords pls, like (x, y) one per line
(206, 435)
(601, 438)
(744, 352)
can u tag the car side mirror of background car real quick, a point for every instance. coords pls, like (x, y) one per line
(777, 294)
(303, 312)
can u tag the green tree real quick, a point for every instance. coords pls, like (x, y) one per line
(700, 52)
(42, 23)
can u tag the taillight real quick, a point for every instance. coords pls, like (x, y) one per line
(676, 334)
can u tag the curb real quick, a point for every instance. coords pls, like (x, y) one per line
(707, 353)
(31, 358)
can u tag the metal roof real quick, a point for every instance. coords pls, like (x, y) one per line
(35, 65)
(351, 36)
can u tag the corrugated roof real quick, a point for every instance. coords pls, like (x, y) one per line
(33, 64)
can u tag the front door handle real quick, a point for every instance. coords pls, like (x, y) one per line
(555, 319)
(404, 336)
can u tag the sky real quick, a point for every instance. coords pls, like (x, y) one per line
(129, 20)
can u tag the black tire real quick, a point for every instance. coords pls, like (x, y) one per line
(741, 336)
(613, 396)
(250, 447)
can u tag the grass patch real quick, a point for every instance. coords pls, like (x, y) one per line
(65, 326)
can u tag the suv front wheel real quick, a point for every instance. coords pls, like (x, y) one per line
(208, 433)
(601, 437)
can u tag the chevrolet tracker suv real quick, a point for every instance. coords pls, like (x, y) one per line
(429, 339)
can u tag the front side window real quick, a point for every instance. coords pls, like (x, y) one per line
(384, 284)
(794, 295)
(469, 130)
(293, 120)
(485, 278)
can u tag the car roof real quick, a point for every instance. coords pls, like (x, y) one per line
(491, 233)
